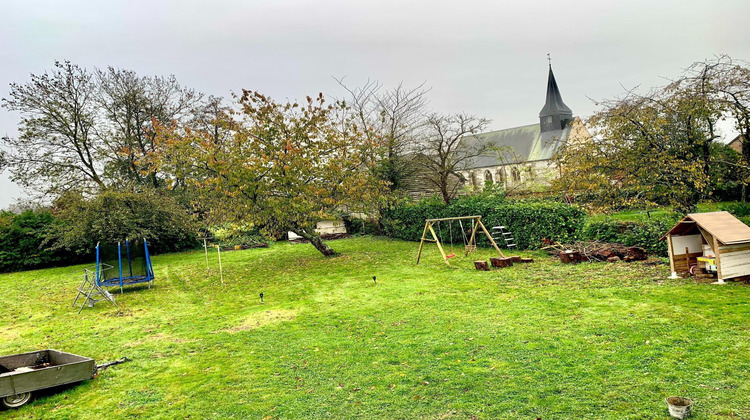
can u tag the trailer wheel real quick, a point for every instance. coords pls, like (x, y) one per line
(15, 401)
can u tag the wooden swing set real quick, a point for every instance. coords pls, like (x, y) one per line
(470, 244)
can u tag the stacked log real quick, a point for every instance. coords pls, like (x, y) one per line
(481, 265)
(570, 257)
(498, 262)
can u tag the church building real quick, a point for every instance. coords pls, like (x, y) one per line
(520, 158)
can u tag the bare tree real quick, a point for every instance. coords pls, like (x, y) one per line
(131, 104)
(86, 131)
(447, 150)
(395, 119)
(57, 148)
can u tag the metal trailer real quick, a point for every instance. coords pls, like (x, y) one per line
(23, 374)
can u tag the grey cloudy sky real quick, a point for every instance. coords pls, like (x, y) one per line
(482, 57)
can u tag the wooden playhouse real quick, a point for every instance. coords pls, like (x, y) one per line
(714, 242)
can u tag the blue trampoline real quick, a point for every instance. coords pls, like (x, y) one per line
(123, 264)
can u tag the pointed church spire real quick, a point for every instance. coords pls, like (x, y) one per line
(555, 115)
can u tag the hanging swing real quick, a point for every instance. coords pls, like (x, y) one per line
(450, 237)
(470, 245)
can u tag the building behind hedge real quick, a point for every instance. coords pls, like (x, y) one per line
(519, 157)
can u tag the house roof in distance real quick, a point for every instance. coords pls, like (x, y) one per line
(520, 144)
(726, 228)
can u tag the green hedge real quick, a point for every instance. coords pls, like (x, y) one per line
(645, 234)
(23, 242)
(530, 221)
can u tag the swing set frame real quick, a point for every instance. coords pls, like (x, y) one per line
(477, 222)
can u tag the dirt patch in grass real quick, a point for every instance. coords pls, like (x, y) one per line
(158, 337)
(261, 319)
(8, 334)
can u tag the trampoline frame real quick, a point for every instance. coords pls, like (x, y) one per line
(121, 280)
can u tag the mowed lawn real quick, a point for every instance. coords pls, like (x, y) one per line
(547, 340)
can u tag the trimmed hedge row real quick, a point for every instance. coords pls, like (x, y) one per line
(23, 243)
(530, 221)
(645, 234)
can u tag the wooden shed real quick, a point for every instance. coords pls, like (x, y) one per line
(714, 237)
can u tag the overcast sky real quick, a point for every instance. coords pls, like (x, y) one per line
(487, 58)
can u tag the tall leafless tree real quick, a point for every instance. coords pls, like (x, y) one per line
(395, 119)
(448, 149)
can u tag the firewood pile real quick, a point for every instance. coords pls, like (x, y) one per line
(595, 251)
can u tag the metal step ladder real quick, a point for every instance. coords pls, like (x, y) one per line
(92, 292)
(500, 233)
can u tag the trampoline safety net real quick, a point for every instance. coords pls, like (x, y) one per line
(124, 263)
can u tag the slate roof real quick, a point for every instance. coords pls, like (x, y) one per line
(554, 104)
(520, 144)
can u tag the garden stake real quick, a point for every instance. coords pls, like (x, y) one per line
(221, 271)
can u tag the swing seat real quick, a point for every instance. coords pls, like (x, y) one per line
(451, 255)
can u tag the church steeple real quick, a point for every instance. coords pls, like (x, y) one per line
(555, 115)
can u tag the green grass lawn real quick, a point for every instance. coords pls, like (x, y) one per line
(547, 340)
(643, 215)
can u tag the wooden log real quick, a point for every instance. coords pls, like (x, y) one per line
(499, 262)
(481, 265)
(613, 258)
(527, 260)
(570, 257)
(515, 258)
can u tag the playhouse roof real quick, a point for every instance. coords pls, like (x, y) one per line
(726, 228)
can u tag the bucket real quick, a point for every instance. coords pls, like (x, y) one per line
(679, 407)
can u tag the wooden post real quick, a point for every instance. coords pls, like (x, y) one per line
(440, 247)
(421, 243)
(492, 241)
(717, 255)
(205, 249)
(221, 271)
(671, 253)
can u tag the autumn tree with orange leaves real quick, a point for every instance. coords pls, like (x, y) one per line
(283, 166)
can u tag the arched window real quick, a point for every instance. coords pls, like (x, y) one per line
(531, 172)
(473, 179)
(500, 173)
(487, 177)
(515, 174)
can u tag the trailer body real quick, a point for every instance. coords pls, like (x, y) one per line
(33, 371)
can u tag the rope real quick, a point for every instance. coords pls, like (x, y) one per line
(450, 233)
(463, 233)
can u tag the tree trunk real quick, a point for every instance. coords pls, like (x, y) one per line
(321, 246)
(317, 242)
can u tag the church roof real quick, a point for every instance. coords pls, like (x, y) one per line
(554, 104)
(520, 144)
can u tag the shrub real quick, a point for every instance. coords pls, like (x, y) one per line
(738, 209)
(114, 216)
(24, 242)
(645, 234)
(530, 221)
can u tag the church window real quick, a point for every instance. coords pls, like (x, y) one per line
(488, 177)
(515, 174)
(500, 175)
(473, 179)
